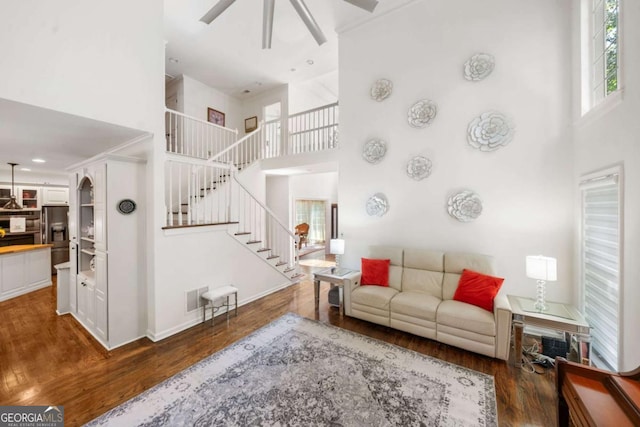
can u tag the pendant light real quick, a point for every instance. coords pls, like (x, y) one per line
(12, 204)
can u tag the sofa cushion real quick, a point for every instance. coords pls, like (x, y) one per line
(373, 296)
(423, 259)
(375, 272)
(425, 281)
(396, 255)
(455, 262)
(415, 304)
(461, 315)
(478, 289)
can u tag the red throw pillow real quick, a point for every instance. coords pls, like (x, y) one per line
(478, 289)
(375, 272)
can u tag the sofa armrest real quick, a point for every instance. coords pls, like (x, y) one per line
(349, 283)
(502, 314)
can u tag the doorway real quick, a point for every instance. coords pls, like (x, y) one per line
(314, 213)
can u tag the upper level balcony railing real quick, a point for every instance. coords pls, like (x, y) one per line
(313, 130)
(194, 137)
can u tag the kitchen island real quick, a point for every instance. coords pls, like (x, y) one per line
(23, 269)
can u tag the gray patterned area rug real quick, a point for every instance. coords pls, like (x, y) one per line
(300, 372)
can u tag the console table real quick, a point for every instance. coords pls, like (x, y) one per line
(558, 316)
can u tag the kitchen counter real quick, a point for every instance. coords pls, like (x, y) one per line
(21, 248)
(23, 269)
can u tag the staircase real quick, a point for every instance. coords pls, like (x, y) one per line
(205, 161)
(203, 188)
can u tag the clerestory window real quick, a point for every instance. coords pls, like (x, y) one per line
(601, 51)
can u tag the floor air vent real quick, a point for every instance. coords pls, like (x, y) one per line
(194, 302)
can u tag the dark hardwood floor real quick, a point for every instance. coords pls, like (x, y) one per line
(47, 359)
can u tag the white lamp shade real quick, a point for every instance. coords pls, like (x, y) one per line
(336, 246)
(542, 268)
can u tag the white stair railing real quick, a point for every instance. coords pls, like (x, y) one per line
(244, 151)
(264, 227)
(314, 130)
(197, 192)
(194, 137)
(273, 138)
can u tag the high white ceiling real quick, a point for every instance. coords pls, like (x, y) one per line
(227, 54)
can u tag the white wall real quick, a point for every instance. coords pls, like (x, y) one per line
(198, 97)
(278, 199)
(525, 186)
(206, 257)
(255, 106)
(313, 93)
(611, 138)
(102, 60)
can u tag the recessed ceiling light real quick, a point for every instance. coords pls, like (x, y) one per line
(38, 161)
(25, 169)
(173, 60)
(310, 61)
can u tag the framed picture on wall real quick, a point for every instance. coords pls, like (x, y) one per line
(250, 124)
(216, 117)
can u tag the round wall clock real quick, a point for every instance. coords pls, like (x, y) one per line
(126, 206)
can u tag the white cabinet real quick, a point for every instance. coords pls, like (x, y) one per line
(24, 271)
(29, 197)
(55, 196)
(26, 196)
(109, 250)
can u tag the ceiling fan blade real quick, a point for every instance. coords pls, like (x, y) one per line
(308, 20)
(267, 23)
(216, 11)
(369, 5)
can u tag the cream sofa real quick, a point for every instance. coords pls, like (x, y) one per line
(419, 300)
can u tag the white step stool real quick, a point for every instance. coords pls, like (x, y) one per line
(217, 293)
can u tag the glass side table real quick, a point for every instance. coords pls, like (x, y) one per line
(335, 276)
(558, 316)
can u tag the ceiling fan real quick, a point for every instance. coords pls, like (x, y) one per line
(267, 17)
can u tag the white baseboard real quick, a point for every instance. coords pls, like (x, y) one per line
(155, 337)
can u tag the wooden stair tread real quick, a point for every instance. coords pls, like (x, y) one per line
(242, 233)
(273, 256)
(253, 242)
(169, 227)
(263, 250)
(281, 263)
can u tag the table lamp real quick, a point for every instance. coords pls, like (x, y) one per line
(336, 247)
(542, 269)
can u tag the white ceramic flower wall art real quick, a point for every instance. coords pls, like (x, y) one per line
(479, 66)
(374, 150)
(377, 205)
(422, 113)
(465, 206)
(381, 89)
(490, 131)
(419, 168)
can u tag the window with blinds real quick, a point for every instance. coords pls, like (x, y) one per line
(601, 242)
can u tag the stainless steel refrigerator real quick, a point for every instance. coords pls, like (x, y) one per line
(55, 231)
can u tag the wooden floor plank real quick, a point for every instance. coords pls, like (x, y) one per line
(46, 359)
